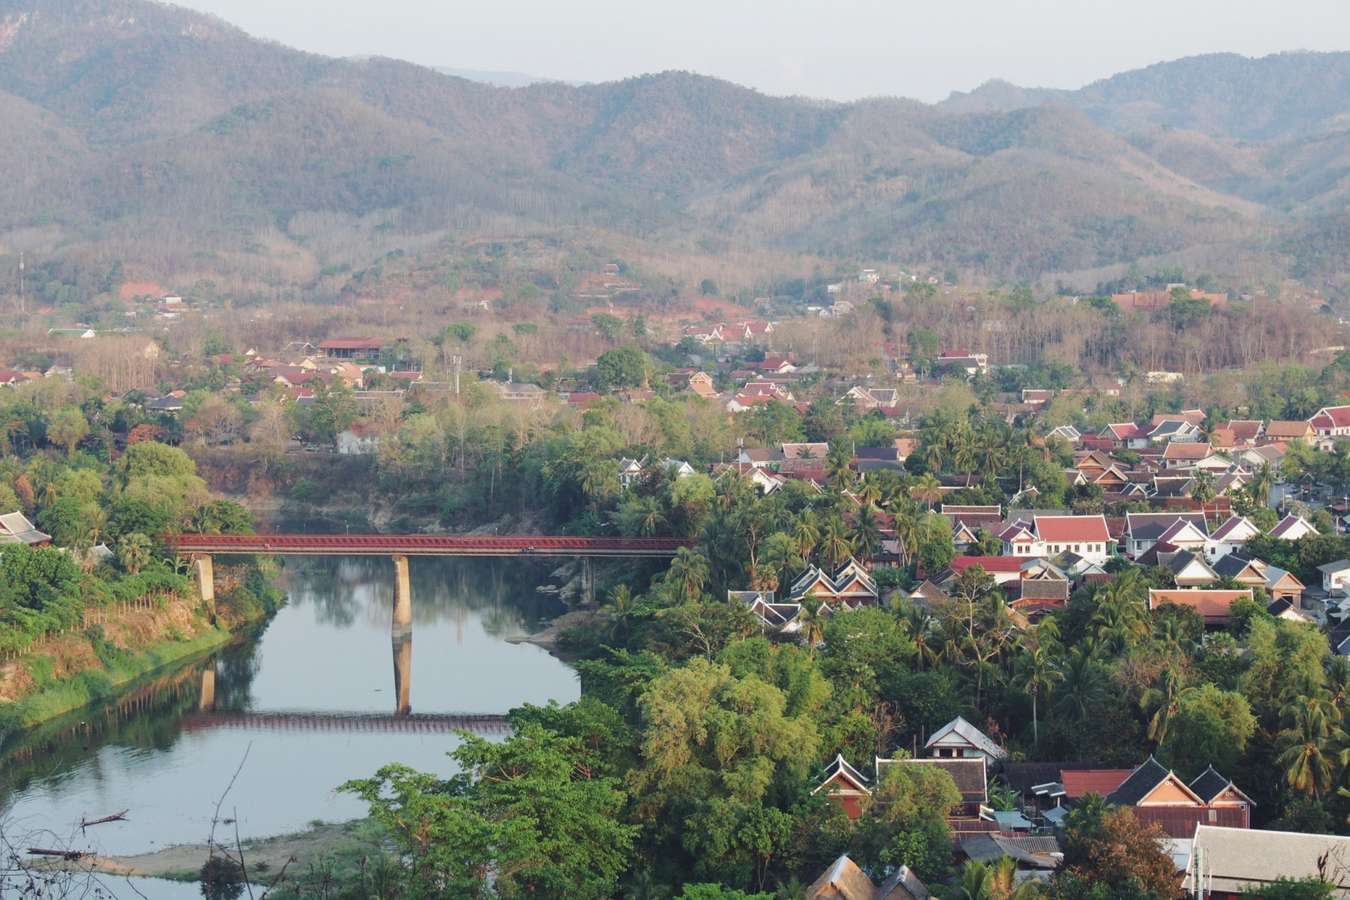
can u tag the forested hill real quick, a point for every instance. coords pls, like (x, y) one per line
(174, 141)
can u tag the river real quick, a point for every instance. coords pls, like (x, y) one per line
(297, 708)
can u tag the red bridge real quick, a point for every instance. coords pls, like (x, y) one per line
(423, 545)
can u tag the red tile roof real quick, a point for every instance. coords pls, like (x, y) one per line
(990, 564)
(1340, 415)
(1080, 782)
(1061, 529)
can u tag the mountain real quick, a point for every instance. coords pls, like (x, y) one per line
(184, 148)
(499, 79)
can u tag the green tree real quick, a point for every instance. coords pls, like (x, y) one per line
(526, 816)
(905, 823)
(67, 427)
(621, 367)
(133, 551)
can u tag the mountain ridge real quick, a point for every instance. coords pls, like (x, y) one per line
(149, 123)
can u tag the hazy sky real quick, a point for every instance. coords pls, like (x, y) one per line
(826, 48)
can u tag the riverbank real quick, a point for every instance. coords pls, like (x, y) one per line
(335, 853)
(81, 668)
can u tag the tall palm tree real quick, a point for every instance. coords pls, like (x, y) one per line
(806, 533)
(866, 534)
(908, 530)
(1120, 619)
(926, 490)
(1307, 757)
(1164, 698)
(1083, 687)
(839, 468)
(1039, 674)
(869, 492)
(689, 572)
(834, 542)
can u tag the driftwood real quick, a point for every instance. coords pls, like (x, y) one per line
(62, 854)
(115, 817)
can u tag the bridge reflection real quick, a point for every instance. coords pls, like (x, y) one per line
(281, 720)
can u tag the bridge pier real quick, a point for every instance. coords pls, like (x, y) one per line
(204, 568)
(402, 597)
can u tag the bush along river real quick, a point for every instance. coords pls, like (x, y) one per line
(324, 692)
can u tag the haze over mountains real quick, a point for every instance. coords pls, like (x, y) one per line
(174, 141)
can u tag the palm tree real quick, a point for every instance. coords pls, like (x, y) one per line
(1083, 685)
(1164, 698)
(133, 551)
(811, 623)
(926, 490)
(689, 571)
(926, 644)
(866, 534)
(1202, 486)
(1119, 619)
(1038, 674)
(869, 494)
(908, 528)
(834, 542)
(1262, 483)
(806, 533)
(839, 468)
(1306, 758)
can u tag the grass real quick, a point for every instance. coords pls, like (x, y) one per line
(60, 696)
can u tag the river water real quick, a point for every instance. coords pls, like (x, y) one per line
(297, 709)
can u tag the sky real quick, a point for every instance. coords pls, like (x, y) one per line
(836, 49)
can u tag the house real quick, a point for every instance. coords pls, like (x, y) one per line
(1126, 435)
(1029, 851)
(1331, 422)
(843, 880)
(1184, 534)
(630, 471)
(1066, 433)
(968, 364)
(1050, 535)
(351, 348)
(1142, 530)
(851, 586)
(1174, 429)
(1003, 569)
(520, 392)
(1336, 577)
(1158, 795)
(168, 405)
(1188, 569)
(1230, 536)
(1291, 432)
(16, 529)
(777, 364)
(846, 786)
(1243, 431)
(819, 450)
(959, 739)
(1212, 605)
(1248, 572)
(1037, 396)
(1181, 454)
(1227, 863)
(701, 383)
(12, 377)
(864, 398)
(1283, 585)
(359, 439)
(1293, 527)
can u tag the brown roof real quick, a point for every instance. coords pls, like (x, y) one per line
(356, 343)
(1213, 605)
(843, 880)
(1287, 429)
(1080, 782)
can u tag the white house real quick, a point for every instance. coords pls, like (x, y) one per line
(358, 440)
(1086, 536)
(1291, 528)
(1230, 536)
(1336, 577)
(959, 739)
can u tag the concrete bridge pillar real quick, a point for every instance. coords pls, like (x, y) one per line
(206, 578)
(403, 674)
(402, 597)
(207, 699)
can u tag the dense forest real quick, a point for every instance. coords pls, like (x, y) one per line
(175, 142)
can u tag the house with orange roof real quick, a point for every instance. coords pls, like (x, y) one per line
(1212, 605)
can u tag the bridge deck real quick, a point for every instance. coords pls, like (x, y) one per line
(424, 545)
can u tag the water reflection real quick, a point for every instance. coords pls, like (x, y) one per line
(323, 667)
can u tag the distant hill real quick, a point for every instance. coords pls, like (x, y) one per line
(172, 140)
(500, 79)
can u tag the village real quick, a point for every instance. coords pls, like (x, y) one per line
(940, 480)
